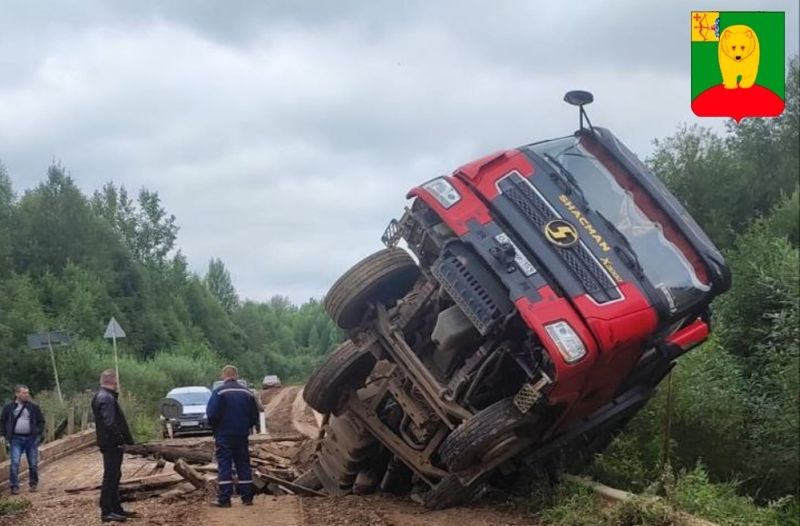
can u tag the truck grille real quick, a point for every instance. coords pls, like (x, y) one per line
(468, 284)
(578, 259)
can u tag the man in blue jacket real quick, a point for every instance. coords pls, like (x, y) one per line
(22, 424)
(232, 412)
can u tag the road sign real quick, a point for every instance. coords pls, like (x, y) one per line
(114, 330)
(46, 340)
(43, 340)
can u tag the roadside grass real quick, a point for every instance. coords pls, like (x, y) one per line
(570, 504)
(13, 506)
(142, 414)
(694, 493)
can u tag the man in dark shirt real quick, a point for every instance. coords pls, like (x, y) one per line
(112, 435)
(22, 424)
(232, 411)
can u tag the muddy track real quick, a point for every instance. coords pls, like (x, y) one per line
(287, 412)
(287, 415)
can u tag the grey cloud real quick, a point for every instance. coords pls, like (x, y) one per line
(284, 136)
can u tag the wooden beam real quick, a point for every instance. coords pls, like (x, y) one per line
(189, 473)
(291, 486)
(150, 482)
(170, 453)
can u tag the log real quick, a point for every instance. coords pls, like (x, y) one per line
(189, 473)
(291, 486)
(207, 468)
(171, 453)
(148, 486)
(139, 482)
(288, 438)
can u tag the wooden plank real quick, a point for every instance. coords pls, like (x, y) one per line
(291, 486)
(51, 452)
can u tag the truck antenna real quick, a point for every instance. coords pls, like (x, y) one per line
(580, 98)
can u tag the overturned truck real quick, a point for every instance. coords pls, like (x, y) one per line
(551, 288)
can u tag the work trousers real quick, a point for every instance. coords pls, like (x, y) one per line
(233, 451)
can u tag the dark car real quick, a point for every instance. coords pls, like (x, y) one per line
(188, 416)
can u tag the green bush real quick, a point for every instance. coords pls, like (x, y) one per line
(142, 418)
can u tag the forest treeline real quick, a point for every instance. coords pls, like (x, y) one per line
(70, 261)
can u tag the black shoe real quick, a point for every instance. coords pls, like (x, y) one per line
(224, 504)
(128, 514)
(247, 502)
(113, 517)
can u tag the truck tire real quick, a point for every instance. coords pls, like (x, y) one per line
(384, 277)
(342, 371)
(449, 492)
(488, 433)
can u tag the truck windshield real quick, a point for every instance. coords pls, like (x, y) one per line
(664, 264)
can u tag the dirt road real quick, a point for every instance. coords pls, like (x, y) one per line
(52, 506)
(287, 415)
(355, 511)
(287, 412)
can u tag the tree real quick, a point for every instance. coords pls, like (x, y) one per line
(146, 228)
(218, 282)
(727, 182)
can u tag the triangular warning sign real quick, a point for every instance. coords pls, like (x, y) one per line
(114, 330)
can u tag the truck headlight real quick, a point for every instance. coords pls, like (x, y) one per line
(569, 344)
(443, 191)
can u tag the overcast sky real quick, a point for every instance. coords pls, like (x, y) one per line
(284, 135)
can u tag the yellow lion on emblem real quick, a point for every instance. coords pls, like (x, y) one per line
(739, 54)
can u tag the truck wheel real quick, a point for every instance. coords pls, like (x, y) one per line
(449, 492)
(384, 277)
(493, 432)
(342, 371)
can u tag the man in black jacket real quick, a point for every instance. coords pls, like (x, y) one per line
(22, 425)
(112, 435)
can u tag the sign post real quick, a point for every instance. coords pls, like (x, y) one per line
(114, 331)
(46, 340)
